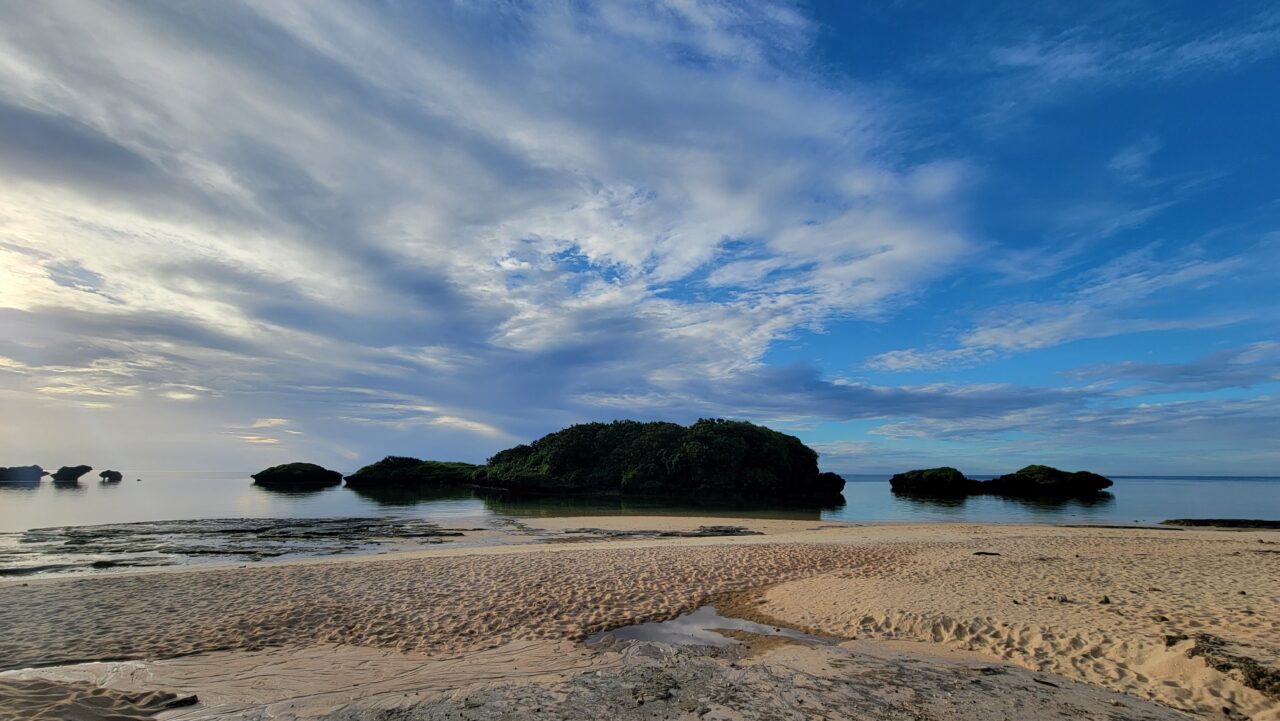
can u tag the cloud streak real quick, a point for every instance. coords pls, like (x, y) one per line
(268, 231)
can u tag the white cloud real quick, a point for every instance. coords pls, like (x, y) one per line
(1102, 302)
(255, 439)
(1132, 162)
(634, 197)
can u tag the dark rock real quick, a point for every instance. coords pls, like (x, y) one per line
(22, 473)
(107, 547)
(1032, 482)
(402, 471)
(985, 553)
(699, 532)
(1228, 658)
(945, 481)
(71, 473)
(297, 475)
(1223, 523)
(702, 682)
(111, 476)
(829, 485)
(713, 458)
(1047, 481)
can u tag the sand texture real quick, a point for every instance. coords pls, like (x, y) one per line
(1188, 618)
(428, 605)
(313, 681)
(1139, 612)
(37, 699)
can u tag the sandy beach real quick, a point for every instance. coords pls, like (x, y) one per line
(1188, 619)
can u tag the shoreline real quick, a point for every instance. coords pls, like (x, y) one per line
(515, 533)
(987, 589)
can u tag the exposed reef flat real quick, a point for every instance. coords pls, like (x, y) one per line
(758, 680)
(699, 532)
(166, 543)
(749, 677)
(1245, 523)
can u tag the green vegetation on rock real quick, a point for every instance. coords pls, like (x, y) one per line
(717, 458)
(1031, 481)
(297, 475)
(1047, 480)
(404, 471)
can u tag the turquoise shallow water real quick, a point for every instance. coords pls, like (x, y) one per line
(162, 496)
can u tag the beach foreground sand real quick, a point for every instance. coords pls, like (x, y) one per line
(1188, 618)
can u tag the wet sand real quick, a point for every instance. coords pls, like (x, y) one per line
(1037, 605)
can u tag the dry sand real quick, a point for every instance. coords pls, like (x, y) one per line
(1119, 608)
(903, 582)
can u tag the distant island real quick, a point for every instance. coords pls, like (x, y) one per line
(713, 458)
(1035, 481)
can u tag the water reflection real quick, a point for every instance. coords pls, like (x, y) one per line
(172, 495)
(72, 486)
(540, 506)
(412, 496)
(532, 506)
(298, 491)
(24, 485)
(921, 502)
(1040, 505)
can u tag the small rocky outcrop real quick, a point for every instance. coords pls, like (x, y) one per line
(1047, 481)
(1242, 523)
(1033, 481)
(68, 474)
(22, 473)
(829, 485)
(699, 532)
(944, 481)
(111, 476)
(297, 475)
(402, 471)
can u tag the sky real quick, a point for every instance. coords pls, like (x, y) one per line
(911, 233)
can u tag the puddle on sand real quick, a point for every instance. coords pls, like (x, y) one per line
(699, 629)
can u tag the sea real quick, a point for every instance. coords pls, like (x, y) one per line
(182, 517)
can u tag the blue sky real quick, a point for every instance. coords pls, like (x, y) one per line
(235, 234)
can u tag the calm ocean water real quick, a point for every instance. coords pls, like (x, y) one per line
(162, 496)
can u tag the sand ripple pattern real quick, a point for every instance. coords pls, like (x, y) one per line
(421, 605)
(1108, 607)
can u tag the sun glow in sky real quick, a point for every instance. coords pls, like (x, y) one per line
(234, 234)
